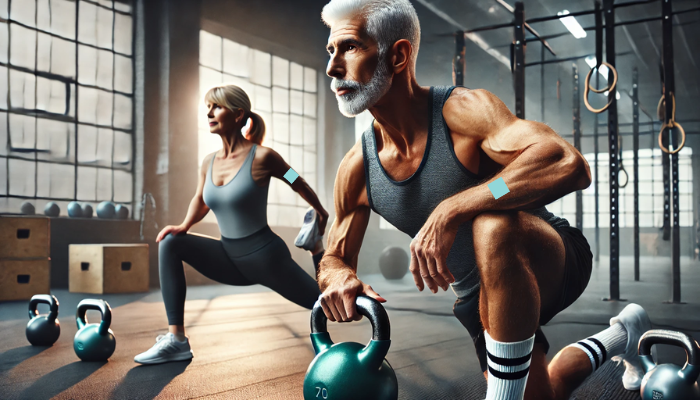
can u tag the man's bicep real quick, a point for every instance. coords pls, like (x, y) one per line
(507, 143)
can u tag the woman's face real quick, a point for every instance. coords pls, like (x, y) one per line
(222, 120)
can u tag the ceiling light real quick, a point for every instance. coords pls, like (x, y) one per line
(572, 25)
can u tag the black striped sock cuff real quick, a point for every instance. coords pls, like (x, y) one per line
(508, 363)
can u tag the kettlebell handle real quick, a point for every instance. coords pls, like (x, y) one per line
(37, 299)
(94, 304)
(673, 338)
(367, 306)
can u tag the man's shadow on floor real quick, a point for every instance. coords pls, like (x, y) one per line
(147, 381)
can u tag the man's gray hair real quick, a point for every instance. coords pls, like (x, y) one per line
(387, 20)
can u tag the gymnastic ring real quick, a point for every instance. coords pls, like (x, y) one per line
(607, 88)
(672, 124)
(588, 89)
(660, 109)
(627, 177)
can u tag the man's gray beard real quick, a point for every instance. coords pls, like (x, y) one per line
(364, 95)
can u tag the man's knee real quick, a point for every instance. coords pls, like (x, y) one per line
(492, 228)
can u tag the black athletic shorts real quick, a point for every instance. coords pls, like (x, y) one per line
(577, 272)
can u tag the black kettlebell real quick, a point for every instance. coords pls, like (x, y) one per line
(43, 330)
(94, 342)
(669, 381)
(348, 370)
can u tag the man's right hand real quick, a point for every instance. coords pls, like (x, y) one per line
(174, 229)
(338, 300)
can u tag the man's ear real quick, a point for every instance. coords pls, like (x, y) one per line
(401, 55)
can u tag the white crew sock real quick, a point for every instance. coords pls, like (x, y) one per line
(508, 366)
(604, 345)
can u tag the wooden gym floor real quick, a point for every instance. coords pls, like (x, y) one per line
(251, 343)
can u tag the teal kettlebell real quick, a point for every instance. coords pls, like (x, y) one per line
(669, 381)
(349, 370)
(94, 342)
(43, 330)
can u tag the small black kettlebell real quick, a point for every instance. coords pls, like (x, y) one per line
(94, 342)
(669, 381)
(43, 330)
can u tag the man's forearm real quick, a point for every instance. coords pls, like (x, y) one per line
(332, 268)
(533, 181)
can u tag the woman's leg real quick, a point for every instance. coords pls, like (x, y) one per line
(273, 266)
(203, 253)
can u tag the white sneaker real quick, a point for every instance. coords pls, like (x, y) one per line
(166, 349)
(636, 322)
(308, 235)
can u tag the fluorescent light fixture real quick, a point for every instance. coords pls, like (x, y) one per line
(603, 70)
(572, 25)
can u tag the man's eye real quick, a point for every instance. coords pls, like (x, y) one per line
(351, 47)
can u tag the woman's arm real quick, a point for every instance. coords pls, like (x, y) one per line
(278, 167)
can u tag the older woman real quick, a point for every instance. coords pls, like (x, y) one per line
(234, 182)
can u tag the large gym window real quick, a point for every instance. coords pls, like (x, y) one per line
(651, 191)
(284, 93)
(66, 102)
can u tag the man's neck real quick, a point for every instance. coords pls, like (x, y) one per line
(402, 114)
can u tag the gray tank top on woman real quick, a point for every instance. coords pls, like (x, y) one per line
(408, 204)
(240, 205)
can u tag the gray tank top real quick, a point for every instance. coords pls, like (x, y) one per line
(240, 205)
(408, 204)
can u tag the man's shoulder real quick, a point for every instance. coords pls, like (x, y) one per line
(473, 111)
(462, 98)
(350, 179)
(353, 162)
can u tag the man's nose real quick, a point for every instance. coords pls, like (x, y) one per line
(335, 68)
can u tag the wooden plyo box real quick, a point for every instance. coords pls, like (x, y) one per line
(108, 268)
(22, 279)
(24, 237)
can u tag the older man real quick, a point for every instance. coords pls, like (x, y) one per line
(425, 164)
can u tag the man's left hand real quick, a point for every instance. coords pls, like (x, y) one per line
(429, 250)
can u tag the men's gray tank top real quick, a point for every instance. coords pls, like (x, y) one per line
(240, 205)
(408, 204)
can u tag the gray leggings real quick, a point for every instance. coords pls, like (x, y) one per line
(261, 258)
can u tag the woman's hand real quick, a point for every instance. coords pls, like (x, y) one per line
(174, 229)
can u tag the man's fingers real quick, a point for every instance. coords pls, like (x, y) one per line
(445, 271)
(350, 310)
(327, 311)
(424, 271)
(432, 268)
(371, 293)
(415, 271)
(332, 305)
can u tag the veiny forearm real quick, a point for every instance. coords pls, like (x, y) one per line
(196, 211)
(533, 181)
(333, 270)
